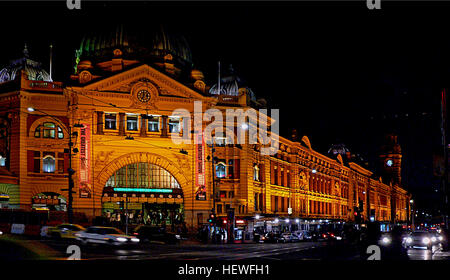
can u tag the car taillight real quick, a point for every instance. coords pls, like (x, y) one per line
(135, 233)
(332, 235)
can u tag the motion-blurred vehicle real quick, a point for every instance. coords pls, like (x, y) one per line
(418, 239)
(105, 235)
(152, 233)
(334, 236)
(271, 237)
(385, 239)
(64, 231)
(14, 249)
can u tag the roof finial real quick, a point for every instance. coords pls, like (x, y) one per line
(25, 51)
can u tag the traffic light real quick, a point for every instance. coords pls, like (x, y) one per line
(212, 219)
(121, 204)
(361, 206)
(357, 213)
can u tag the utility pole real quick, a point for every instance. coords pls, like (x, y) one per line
(213, 189)
(126, 215)
(71, 183)
(70, 171)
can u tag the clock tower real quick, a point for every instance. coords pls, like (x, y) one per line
(390, 160)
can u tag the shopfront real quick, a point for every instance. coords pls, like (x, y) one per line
(49, 201)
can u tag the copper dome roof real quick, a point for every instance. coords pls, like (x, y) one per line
(141, 42)
(33, 69)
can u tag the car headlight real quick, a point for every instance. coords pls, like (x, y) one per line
(77, 234)
(338, 238)
(121, 239)
(409, 240)
(135, 239)
(433, 239)
(386, 240)
(177, 236)
(1, 232)
(441, 238)
(426, 240)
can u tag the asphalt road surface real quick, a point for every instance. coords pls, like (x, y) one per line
(258, 251)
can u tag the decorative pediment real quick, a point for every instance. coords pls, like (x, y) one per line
(126, 81)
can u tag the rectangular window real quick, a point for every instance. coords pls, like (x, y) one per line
(110, 121)
(61, 165)
(37, 165)
(174, 124)
(223, 194)
(153, 124)
(49, 130)
(219, 209)
(132, 122)
(230, 194)
(275, 171)
(231, 169)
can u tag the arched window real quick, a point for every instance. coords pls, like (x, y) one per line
(37, 132)
(221, 170)
(142, 175)
(256, 173)
(60, 133)
(49, 130)
(49, 164)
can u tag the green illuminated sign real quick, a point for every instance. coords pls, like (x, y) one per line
(143, 190)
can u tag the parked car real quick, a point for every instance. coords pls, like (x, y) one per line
(294, 237)
(152, 233)
(105, 235)
(285, 237)
(418, 239)
(307, 236)
(300, 235)
(63, 231)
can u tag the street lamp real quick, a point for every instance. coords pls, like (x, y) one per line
(70, 171)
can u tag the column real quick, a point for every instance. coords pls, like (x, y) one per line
(122, 124)
(143, 129)
(99, 124)
(164, 126)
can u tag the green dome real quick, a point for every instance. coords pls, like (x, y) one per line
(146, 43)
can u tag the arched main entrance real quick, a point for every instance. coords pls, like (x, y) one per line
(146, 192)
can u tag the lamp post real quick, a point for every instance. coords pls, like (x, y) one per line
(70, 171)
(412, 214)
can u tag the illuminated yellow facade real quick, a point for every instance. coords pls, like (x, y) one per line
(122, 123)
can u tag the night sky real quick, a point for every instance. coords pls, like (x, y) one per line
(339, 73)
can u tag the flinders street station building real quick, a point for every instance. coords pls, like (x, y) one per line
(107, 134)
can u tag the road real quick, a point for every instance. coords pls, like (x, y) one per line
(253, 251)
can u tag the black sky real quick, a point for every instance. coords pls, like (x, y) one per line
(338, 72)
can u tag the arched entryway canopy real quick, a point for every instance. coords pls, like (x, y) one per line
(146, 192)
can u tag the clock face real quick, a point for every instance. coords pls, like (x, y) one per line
(389, 162)
(143, 95)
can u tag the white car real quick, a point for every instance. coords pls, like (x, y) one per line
(105, 235)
